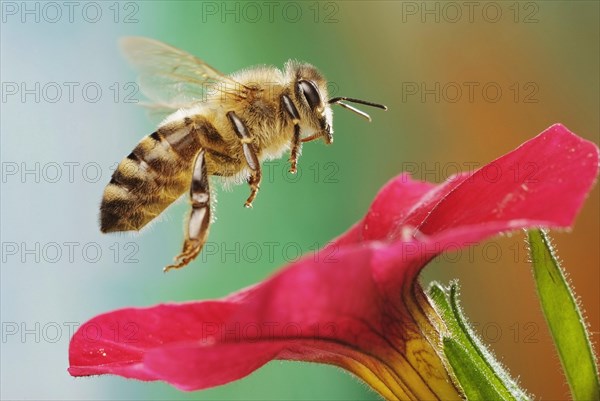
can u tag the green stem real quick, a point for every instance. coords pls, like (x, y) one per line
(564, 319)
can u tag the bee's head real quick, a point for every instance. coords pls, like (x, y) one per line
(310, 94)
(309, 90)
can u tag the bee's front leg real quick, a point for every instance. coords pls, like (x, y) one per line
(250, 155)
(289, 106)
(199, 220)
(295, 152)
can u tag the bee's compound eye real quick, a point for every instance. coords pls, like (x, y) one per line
(311, 93)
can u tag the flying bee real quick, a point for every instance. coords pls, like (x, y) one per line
(221, 125)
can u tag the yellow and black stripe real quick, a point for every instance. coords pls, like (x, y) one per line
(149, 179)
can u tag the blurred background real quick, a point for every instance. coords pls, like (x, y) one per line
(464, 84)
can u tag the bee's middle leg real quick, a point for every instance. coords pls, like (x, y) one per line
(254, 182)
(199, 220)
(250, 155)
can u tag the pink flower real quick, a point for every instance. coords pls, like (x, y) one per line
(363, 311)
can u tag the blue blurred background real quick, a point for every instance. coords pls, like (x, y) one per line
(464, 84)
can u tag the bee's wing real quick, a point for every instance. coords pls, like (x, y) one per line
(172, 78)
(157, 112)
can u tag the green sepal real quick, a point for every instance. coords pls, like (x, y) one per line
(474, 382)
(480, 375)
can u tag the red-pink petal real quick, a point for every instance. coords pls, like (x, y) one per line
(116, 342)
(531, 180)
(308, 303)
(547, 177)
(353, 305)
(400, 198)
(392, 203)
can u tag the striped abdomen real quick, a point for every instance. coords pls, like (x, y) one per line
(155, 174)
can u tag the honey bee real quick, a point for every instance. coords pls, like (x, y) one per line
(220, 125)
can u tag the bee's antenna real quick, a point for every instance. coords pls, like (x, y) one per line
(354, 109)
(349, 99)
(339, 100)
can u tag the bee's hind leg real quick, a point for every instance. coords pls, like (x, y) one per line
(199, 220)
(249, 153)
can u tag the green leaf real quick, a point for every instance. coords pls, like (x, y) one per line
(484, 375)
(564, 319)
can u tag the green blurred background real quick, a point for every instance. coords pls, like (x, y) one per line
(543, 56)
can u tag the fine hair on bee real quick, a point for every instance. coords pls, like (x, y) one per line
(245, 118)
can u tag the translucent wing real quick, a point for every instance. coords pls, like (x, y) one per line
(172, 78)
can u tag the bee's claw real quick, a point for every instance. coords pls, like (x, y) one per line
(191, 249)
(255, 186)
(175, 266)
(180, 262)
